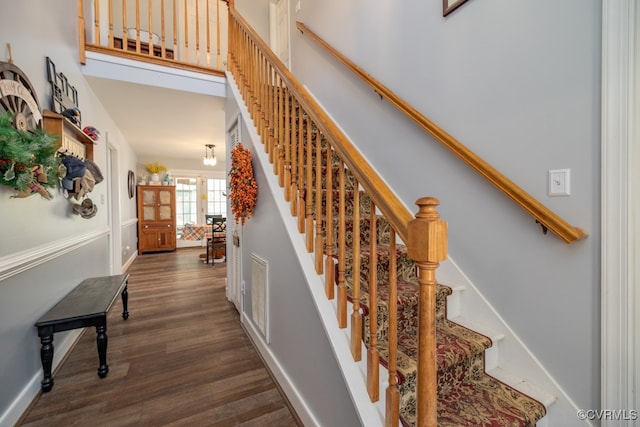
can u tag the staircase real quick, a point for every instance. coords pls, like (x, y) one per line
(437, 376)
(467, 395)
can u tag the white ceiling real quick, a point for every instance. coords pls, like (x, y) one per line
(164, 125)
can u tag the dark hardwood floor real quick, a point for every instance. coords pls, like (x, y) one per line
(181, 359)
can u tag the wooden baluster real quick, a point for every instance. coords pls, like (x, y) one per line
(253, 101)
(392, 401)
(186, 33)
(208, 34)
(197, 32)
(295, 116)
(329, 272)
(110, 41)
(319, 237)
(264, 98)
(125, 41)
(373, 357)
(342, 288)
(278, 142)
(163, 32)
(175, 30)
(309, 186)
(281, 141)
(356, 317)
(150, 21)
(218, 35)
(96, 22)
(137, 26)
(285, 166)
(427, 246)
(300, 205)
(81, 35)
(270, 116)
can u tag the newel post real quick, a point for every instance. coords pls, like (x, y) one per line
(427, 246)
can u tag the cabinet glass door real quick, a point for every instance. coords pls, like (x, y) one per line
(148, 205)
(165, 205)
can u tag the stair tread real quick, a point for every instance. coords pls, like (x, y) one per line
(499, 405)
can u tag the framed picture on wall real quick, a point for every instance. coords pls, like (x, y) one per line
(131, 183)
(449, 6)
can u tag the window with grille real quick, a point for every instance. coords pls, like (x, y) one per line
(186, 202)
(216, 199)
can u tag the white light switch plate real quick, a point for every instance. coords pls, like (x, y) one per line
(560, 182)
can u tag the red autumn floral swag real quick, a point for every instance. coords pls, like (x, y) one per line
(244, 189)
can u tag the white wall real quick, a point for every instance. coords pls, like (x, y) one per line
(519, 84)
(256, 13)
(45, 250)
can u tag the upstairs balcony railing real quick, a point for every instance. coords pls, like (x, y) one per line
(186, 34)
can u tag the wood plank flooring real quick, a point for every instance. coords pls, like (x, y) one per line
(181, 359)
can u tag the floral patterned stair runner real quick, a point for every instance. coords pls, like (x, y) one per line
(467, 395)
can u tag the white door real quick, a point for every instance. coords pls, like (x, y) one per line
(234, 239)
(279, 29)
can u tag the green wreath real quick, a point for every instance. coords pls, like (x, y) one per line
(28, 161)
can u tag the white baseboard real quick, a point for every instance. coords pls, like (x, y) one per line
(28, 394)
(281, 376)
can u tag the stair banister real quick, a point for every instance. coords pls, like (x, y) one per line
(543, 215)
(394, 210)
(422, 234)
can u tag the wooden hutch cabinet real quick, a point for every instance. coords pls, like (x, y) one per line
(156, 218)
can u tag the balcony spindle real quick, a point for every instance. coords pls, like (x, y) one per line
(186, 34)
(175, 31)
(137, 26)
(163, 33)
(150, 21)
(96, 22)
(110, 24)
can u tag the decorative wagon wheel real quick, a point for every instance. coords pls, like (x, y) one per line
(18, 97)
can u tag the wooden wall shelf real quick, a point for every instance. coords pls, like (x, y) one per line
(72, 139)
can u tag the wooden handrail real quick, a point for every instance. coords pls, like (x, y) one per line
(543, 215)
(394, 210)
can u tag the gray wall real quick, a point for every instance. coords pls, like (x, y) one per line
(297, 338)
(519, 84)
(256, 13)
(45, 250)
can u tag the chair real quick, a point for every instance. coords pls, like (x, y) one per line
(218, 239)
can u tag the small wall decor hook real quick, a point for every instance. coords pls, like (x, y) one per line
(10, 56)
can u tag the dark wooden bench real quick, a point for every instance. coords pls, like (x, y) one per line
(86, 305)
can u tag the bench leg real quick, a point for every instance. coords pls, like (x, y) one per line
(103, 369)
(46, 355)
(125, 302)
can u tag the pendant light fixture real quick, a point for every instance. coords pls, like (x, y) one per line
(209, 156)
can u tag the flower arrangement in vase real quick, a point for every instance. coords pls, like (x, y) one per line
(155, 169)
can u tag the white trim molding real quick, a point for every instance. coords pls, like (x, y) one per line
(24, 260)
(620, 332)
